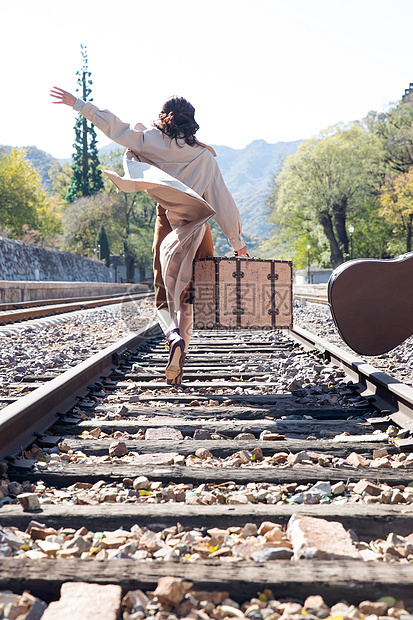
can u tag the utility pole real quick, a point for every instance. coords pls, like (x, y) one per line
(351, 230)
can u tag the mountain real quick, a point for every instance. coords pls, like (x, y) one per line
(249, 173)
(42, 161)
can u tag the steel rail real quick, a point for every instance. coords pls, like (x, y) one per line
(387, 393)
(70, 306)
(313, 299)
(18, 305)
(39, 410)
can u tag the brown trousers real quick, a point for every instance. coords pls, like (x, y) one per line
(163, 228)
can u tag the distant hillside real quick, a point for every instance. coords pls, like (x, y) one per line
(248, 173)
(41, 160)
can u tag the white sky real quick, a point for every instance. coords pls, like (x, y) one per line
(272, 69)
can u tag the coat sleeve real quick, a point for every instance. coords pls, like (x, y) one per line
(227, 214)
(112, 126)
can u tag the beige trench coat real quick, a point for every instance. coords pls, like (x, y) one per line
(185, 180)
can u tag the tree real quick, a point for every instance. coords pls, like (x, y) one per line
(102, 244)
(128, 219)
(86, 174)
(23, 202)
(328, 179)
(396, 199)
(373, 237)
(60, 179)
(135, 213)
(133, 220)
(395, 130)
(82, 219)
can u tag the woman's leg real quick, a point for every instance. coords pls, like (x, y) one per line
(169, 325)
(185, 322)
(162, 229)
(185, 314)
(175, 329)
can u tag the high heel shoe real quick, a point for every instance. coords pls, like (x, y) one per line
(178, 379)
(173, 370)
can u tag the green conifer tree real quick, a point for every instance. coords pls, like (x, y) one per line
(102, 244)
(86, 174)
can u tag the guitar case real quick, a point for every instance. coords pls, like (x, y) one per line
(371, 302)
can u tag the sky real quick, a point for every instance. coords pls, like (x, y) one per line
(277, 70)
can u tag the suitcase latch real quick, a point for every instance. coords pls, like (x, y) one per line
(238, 275)
(274, 312)
(238, 311)
(271, 276)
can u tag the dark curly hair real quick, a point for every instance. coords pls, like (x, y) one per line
(176, 120)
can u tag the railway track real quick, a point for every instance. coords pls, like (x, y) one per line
(214, 483)
(16, 312)
(22, 311)
(313, 293)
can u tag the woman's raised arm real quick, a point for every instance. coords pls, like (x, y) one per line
(111, 125)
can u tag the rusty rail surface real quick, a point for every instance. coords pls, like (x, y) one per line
(19, 305)
(32, 310)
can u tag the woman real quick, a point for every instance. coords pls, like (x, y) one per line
(181, 174)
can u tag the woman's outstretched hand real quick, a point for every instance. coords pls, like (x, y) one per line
(62, 96)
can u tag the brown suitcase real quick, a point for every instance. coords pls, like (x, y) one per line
(250, 293)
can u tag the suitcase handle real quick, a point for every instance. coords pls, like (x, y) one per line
(247, 256)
